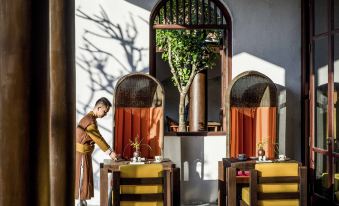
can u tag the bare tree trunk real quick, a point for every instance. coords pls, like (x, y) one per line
(182, 125)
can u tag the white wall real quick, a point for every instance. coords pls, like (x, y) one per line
(267, 38)
(104, 56)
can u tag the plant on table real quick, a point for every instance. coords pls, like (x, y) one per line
(136, 144)
(260, 146)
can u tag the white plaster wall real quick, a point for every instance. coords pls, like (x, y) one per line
(104, 56)
(267, 38)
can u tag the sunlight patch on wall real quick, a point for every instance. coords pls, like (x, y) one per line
(322, 75)
(244, 62)
(215, 149)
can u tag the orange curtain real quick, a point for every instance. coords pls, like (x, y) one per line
(249, 126)
(266, 128)
(144, 122)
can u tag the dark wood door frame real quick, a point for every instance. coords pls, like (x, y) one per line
(309, 92)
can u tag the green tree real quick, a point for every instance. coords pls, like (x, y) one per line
(187, 53)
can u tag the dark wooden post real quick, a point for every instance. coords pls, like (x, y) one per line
(62, 101)
(37, 101)
(14, 100)
(39, 190)
(198, 103)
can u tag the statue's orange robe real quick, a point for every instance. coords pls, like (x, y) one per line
(87, 134)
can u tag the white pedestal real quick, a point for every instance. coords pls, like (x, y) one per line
(197, 157)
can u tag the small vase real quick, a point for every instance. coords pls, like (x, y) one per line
(136, 153)
(261, 152)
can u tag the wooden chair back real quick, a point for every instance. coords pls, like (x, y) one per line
(138, 111)
(264, 185)
(140, 185)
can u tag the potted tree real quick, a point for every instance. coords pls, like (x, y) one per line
(187, 53)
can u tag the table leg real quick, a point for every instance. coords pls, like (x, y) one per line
(221, 184)
(176, 186)
(231, 186)
(169, 176)
(103, 185)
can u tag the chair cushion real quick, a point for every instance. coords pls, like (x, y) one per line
(141, 171)
(245, 192)
(125, 203)
(140, 189)
(277, 170)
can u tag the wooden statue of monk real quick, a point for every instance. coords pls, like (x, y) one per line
(87, 135)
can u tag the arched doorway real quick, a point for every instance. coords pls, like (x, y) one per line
(194, 15)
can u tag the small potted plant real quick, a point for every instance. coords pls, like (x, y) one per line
(261, 151)
(136, 144)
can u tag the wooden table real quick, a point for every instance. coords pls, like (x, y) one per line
(173, 180)
(229, 182)
(211, 126)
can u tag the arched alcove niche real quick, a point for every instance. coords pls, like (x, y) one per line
(138, 112)
(251, 107)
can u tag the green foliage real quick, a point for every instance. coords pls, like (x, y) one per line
(188, 50)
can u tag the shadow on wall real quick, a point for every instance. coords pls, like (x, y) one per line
(145, 4)
(94, 60)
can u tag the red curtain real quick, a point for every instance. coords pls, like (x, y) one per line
(143, 122)
(250, 126)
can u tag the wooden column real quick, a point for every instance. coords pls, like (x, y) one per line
(198, 103)
(39, 106)
(62, 101)
(14, 100)
(37, 101)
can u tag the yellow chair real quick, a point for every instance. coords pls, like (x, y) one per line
(276, 184)
(140, 185)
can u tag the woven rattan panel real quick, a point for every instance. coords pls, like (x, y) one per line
(253, 90)
(138, 91)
